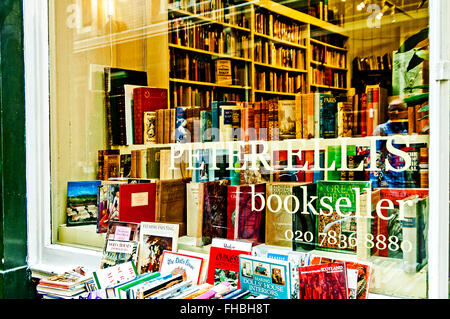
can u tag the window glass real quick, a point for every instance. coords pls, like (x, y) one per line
(321, 108)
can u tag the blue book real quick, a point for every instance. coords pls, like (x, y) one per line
(328, 117)
(232, 294)
(215, 116)
(242, 295)
(265, 276)
(181, 125)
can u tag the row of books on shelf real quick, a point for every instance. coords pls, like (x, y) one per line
(203, 69)
(184, 95)
(269, 53)
(328, 77)
(280, 81)
(328, 56)
(300, 216)
(278, 27)
(209, 38)
(216, 10)
(142, 260)
(373, 63)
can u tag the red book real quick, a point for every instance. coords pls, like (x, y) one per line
(324, 281)
(363, 114)
(146, 99)
(380, 225)
(223, 262)
(137, 202)
(232, 208)
(300, 163)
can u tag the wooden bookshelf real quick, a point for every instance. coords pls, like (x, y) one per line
(299, 39)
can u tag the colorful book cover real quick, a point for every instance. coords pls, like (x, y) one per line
(137, 202)
(146, 99)
(328, 117)
(223, 265)
(149, 127)
(265, 276)
(335, 231)
(214, 210)
(82, 203)
(108, 205)
(324, 281)
(205, 126)
(190, 267)
(154, 239)
(296, 259)
(318, 112)
(358, 276)
(114, 275)
(287, 119)
(181, 133)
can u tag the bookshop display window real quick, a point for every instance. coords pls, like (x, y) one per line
(295, 125)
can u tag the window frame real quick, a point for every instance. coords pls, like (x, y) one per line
(44, 256)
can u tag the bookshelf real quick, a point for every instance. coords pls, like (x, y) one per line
(271, 45)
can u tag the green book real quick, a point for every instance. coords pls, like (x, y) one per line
(153, 161)
(122, 291)
(334, 231)
(206, 126)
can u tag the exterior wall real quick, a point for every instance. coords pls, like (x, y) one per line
(14, 275)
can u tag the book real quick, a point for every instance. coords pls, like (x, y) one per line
(129, 122)
(154, 239)
(327, 121)
(115, 79)
(287, 120)
(336, 229)
(149, 127)
(107, 205)
(81, 206)
(304, 222)
(117, 252)
(146, 99)
(170, 203)
(192, 202)
(279, 216)
(137, 202)
(345, 119)
(223, 265)
(114, 275)
(214, 211)
(65, 281)
(190, 267)
(223, 72)
(296, 259)
(265, 276)
(324, 281)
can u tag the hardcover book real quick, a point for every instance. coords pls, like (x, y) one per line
(115, 79)
(223, 265)
(333, 231)
(107, 205)
(154, 239)
(170, 203)
(287, 120)
(214, 207)
(190, 267)
(244, 223)
(82, 203)
(149, 127)
(146, 99)
(265, 276)
(324, 281)
(137, 202)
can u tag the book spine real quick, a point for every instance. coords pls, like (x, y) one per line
(108, 109)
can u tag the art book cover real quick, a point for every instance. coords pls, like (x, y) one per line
(137, 202)
(149, 127)
(358, 277)
(82, 202)
(296, 259)
(214, 203)
(223, 263)
(265, 276)
(121, 244)
(335, 232)
(287, 119)
(154, 239)
(325, 281)
(107, 205)
(190, 267)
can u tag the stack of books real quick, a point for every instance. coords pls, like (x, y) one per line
(68, 285)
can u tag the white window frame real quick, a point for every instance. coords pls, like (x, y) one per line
(44, 256)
